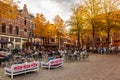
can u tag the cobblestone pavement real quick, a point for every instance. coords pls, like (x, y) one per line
(99, 67)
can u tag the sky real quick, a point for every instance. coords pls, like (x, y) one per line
(50, 8)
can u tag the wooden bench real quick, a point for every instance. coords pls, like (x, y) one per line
(16, 69)
(52, 63)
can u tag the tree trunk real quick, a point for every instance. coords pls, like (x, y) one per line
(93, 36)
(58, 41)
(108, 42)
(78, 44)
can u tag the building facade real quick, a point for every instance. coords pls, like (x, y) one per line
(14, 33)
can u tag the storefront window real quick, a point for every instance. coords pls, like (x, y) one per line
(17, 40)
(17, 45)
(11, 39)
(4, 38)
(52, 40)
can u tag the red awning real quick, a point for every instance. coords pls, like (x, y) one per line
(116, 41)
(97, 44)
(115, 44)
(105, 44)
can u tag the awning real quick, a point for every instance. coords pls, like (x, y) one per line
(116, 44)
(106, 44)
(51, 44)
(32, 44)
(116, 41)
(5, 42)
(35, 44)
(97, 44)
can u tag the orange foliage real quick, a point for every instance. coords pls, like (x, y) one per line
(41, 23)
(59, 24)
(8, 10)
(43, 27)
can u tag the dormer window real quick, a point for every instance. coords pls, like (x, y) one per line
(25, 21)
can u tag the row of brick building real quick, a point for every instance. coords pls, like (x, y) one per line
(13, 33)
(18, 33)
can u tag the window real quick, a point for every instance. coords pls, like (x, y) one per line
(98, 39)
(17, 30)
(4, 38)
(17, 40)
(25, 21)
(11, 39)
(25, 40)
(17, 45)
(10, 28)
(46, 41)
(107, 39)
(30, 34)
(52, 40)
(3, 27)
(25, 32)
(32, 26)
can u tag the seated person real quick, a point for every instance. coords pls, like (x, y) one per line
(50, 58)
(1, 55)
(18, 61)
(59, 56)
(23, 60)
(1, 58)
(5, 58)
(31, 59)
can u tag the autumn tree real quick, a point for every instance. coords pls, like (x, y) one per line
(110, 17)
(76, 22)
(60, 28)
(8, 9)
(86, 35)
(51, 30)
(92, 9)
(41, 26)
(108, 20)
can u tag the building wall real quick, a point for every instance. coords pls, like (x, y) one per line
(23, 21)
(116, 39)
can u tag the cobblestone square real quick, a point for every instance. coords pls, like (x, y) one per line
(99, 67)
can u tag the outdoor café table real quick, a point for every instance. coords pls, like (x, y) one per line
(71, 56)
(17, 56)
(1, 60)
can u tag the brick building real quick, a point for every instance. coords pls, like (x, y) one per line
(14, 33)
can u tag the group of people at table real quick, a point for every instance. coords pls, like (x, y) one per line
(29, 55)
(4, 56)
(26, 55)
